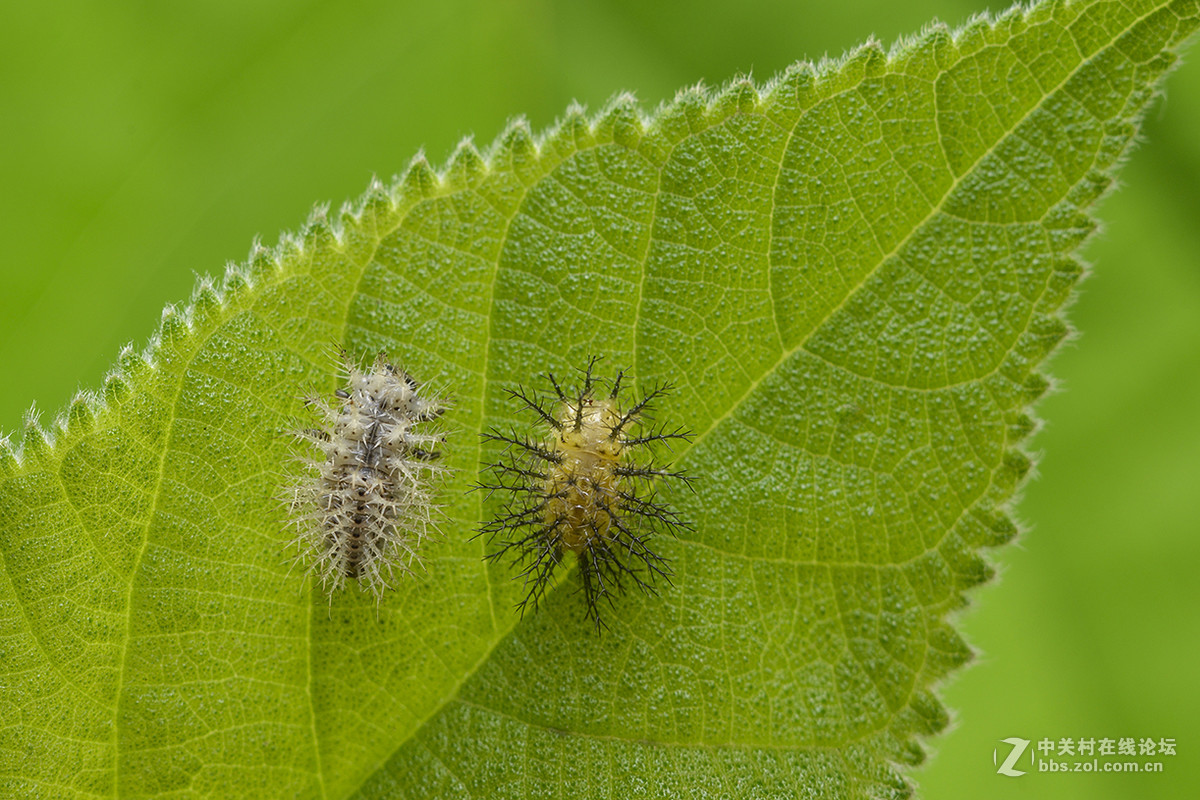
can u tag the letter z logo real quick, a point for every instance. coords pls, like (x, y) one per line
(1018, 749)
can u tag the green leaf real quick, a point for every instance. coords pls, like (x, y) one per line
(851, 274)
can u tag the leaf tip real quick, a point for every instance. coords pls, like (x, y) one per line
(467, 166)
(115, 387)
(621, 119)
(575, 125)
(515, 148)
(9, 458)
(175, 326)
(238, 277)
(36, 441)
(133, 366)
(419, 180)
(739, 96)
(80, 416)
(320, 232)
(205, 303)
(379, 201)
(1022, 427)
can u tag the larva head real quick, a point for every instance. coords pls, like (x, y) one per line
(589, 487)
(392, 394)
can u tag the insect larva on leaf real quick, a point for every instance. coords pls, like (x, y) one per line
(366, 505)
(588, 485)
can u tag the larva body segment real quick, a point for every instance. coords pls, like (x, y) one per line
(365, 507)
(589, 486)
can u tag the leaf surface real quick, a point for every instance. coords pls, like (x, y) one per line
(850, 275)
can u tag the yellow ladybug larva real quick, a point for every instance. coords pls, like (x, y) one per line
(589, 486)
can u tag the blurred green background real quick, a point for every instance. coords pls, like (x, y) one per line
(145, 143)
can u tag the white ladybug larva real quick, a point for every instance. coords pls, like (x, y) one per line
(365, 505)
